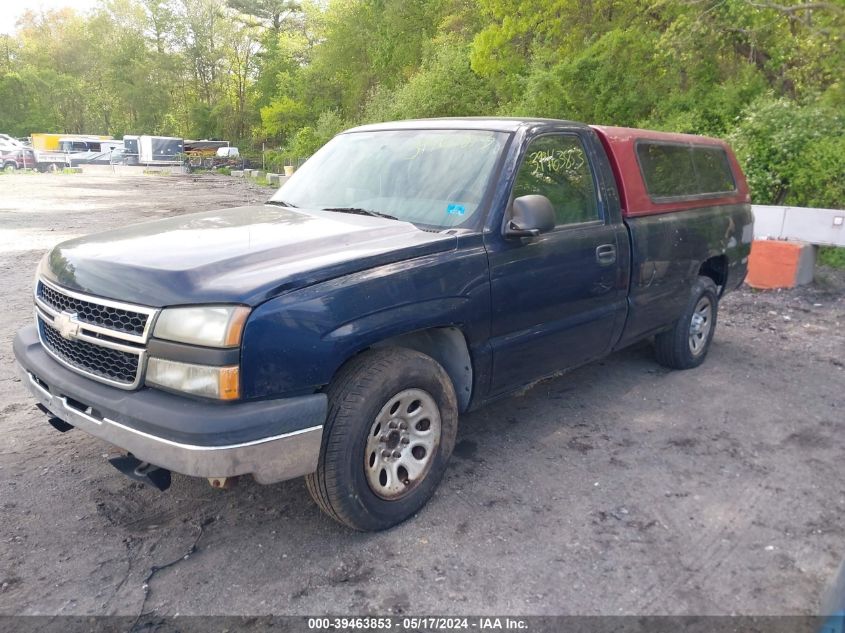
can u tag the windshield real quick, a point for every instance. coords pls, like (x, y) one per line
(436, 178)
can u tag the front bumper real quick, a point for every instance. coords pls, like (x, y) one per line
(272, 440)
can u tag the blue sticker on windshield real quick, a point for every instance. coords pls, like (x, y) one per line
(455, 209)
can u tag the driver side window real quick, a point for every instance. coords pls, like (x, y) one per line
(556, 166)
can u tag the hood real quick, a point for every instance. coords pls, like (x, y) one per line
(242, 255)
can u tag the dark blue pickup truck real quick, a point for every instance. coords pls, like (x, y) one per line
(407, 273)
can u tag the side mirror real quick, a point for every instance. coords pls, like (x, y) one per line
(530, 216)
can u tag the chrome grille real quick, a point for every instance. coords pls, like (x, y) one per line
(94, 313)
(101, 338)
(103, 362)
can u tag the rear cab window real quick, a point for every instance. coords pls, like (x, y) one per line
(675, 171)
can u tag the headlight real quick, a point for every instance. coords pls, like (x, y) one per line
(200, 380)
(211, 326)
(41, 268)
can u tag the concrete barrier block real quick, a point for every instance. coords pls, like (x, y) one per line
(258, 174)
(273, 179)
(780, 264)
(238, 173)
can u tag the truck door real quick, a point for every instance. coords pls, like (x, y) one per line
(559, 298)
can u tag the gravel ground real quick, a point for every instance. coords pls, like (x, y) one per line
(620, 488)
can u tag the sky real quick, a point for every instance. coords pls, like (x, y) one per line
(11, 10)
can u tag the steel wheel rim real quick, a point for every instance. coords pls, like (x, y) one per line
(700, 324)
(402, 444)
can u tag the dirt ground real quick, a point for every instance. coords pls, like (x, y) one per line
(620, 488)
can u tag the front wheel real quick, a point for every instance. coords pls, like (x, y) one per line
(686, 345)
(389, 433)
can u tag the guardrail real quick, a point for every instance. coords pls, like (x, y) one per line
(822, 227)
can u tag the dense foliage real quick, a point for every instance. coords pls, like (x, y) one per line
(289, 74)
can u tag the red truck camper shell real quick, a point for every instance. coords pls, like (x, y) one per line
(620, 143)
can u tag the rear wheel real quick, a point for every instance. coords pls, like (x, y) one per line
(388, 436)
(686, 345)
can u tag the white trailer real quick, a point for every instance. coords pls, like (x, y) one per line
(160, 150)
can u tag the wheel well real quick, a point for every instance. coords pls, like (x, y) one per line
(717, 269)
(448, 347)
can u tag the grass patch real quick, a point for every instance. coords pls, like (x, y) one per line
(832, 256)
(18, 172)
(262, 181)
(226, 171)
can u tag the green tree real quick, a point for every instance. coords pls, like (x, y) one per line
(291, 73)
(275, 14)
(792, 154)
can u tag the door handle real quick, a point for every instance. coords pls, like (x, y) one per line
(606, 254)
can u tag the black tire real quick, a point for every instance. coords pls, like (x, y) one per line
(675, 348)
(358, 396)
(10, 167)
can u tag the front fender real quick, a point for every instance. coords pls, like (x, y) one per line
(295, 343)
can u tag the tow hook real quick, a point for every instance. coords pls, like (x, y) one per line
(223, 483)
(144, 472)
(60, 425)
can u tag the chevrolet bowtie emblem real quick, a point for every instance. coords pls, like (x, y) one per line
(66, 324)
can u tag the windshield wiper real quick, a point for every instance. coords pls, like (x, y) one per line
(357, 211)
(282, 203)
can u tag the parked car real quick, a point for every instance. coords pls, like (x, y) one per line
(405, 274)
(118, 156)
(228, 152)
(13, 158)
